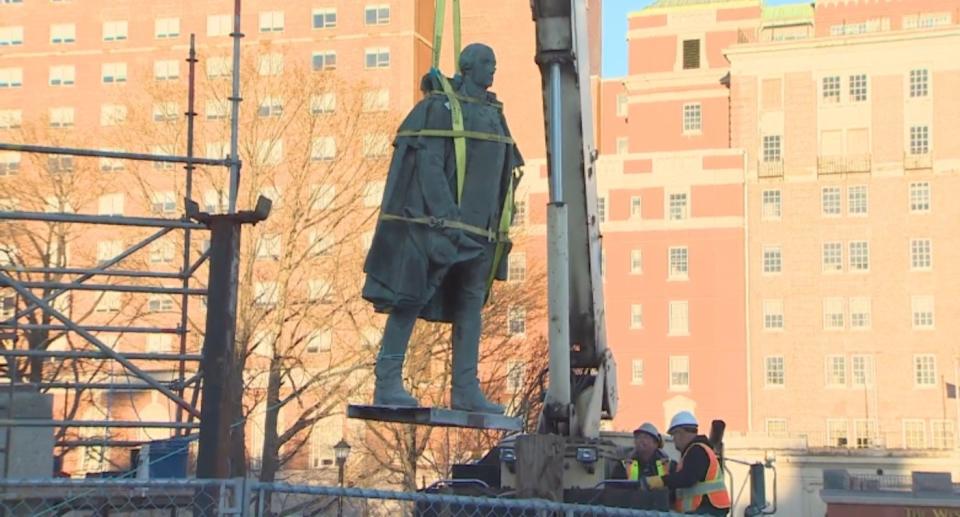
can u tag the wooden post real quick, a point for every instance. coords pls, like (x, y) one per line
(540, 466)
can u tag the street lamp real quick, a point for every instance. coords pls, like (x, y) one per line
(341, 450)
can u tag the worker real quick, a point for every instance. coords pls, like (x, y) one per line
(647, 457)
(698, 481)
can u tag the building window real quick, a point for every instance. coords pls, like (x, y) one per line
(269, 152)
(159, 343)
(319, 245)
(112, 114)
(320, 291)
(922, 308)
(776, 427)
(516, 321)
(271, 21)
(60, 164)
(163, 203)
(61, 117)
(924, 371)
(864, 433)
(636, 316)
(678, 263)
(679, 373)
(324, 61)
(831, 89)
(377, 14)
(774, 371)
(9, 163)
(623, 145)
(376, 100)
(692, 122)
(166, 112)
(161, 253)
(832, 257)
(837, 433)
(919, 139)
(919, 82)
(679, 324)
(323, 148)
(836, 371)
(318, 341)
(678, 206)
(108, 302)
(601, 209)
(858, 88)
(373, 193)
(268, 247)
(270, 64)
(772, 208)
(11, 77)
(517, 267)
(64, 75)
(914, 434)
(860, 313)
(861, 370)
(519, 213)
(166, 28)
(691, 54)
(270, 107)
(636, 207)
(830, 201)
(941, 434)
(771, 149)
(219, 25)
(11, 36)
(375, 146)
(324, 18)
(219, 66)
(377, 58)
(636, 262)
(111, 204)
(623, 108)
(636, 372)
(159, 303)
(108, 250)
(773, 314)
(772, 260)
(63, 33)
(833, 313)
(323, 103)
(920, 197)
(114, 73)
(11, 119)
(115, 31)
(265, 294)
(920, 254)
(322, 196)
(857, 200)
(859, 256)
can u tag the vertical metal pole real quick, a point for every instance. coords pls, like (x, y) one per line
(556, 134)
(340, 464)
(235, 111)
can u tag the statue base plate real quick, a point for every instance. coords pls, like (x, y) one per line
(434, 416)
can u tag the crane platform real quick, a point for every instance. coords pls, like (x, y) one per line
(434, 416)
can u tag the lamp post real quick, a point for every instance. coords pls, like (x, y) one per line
(341, 450)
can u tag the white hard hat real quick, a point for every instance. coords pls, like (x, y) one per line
(682, 419)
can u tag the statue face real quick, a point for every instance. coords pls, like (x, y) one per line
(483, 67)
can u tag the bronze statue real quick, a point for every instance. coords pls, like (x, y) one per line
(441, 238)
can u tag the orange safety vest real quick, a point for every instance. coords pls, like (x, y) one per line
(713, 487)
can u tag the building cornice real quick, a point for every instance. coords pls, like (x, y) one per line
(672, 79)
(839, 41)
(699, 6)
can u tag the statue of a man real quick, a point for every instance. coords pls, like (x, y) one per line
(440, 240)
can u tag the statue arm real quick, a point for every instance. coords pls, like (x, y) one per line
(432, 158)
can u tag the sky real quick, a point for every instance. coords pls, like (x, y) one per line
(615, 32)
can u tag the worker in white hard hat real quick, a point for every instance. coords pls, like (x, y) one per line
(647, 457)
(698, 480)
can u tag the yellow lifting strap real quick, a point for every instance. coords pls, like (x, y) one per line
(456, 113)
(441, 6)
(475, 135)
(506, 217)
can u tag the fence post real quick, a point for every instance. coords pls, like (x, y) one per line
(243, 496)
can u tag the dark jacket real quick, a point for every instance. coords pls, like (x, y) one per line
(407, 263)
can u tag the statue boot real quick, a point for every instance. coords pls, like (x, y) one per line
(466, 394)
(388, 389)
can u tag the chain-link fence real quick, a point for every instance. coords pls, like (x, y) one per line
(247, 498)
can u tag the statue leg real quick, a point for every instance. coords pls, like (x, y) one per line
(388, 390)
(466, 394)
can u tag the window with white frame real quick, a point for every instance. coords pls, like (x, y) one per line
(325, 18)
(919, 82)
(776, 427)
(322, 196)
(62, 117)
(772, 151)
(679, 373)
(832, 257)
(926, 20)
(60, 164)
(771, 201)
(678, 206)
(519, 213)
(9, 163)
(857, 200)
(925, 371)
(623, 108)
(319, 340)
(112, 114)
(166, 111)
(515, 376)
(163, 203)
(860, 313)
(836, 370)
(217, 109)
(268, 247)
(107, 250)
(270, 64)
(921, 257)
(112, 73)
(266, 294)
(862, 370)
(679, 314)
(772, 260)
(919, 139)
(108, 301)
(516, 321)
(159, 343)
(692, 120)
(942, 434)
(864, 433)
(373, 193)
(517, 267)
(636, 262)
(115, 30)
(323, 148)
(166, 70)
(375, 145)
(61, 33)
(636, 316)
(601, 209)
(219, 25)
(837, 433)
(859, 256)
(11, 119)
(830, 201)
(319, 245)
(636, 372)
(833, 313)
(376, 100)
(111, 204)
(63, 75)
(773, 314)
(858, 88)
(11, 77)
(160, 303)
(219, 66)
(678, 260)
(636, 207)
(166, 28)
(920, 197)
(914, 433)
(270, 106)
(271, 21)
(161, 253)
(324, 60)
(623, 145)
(376, 58)
(830, 91)
(270, 152)
(376, 14)
(323, 103)
(11, 36)
(922, 307)
(320, 291)
(775, 376)
(264, 343)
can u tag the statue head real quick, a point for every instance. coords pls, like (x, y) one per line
(477, 65)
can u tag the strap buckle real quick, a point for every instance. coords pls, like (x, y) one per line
(436, 222)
